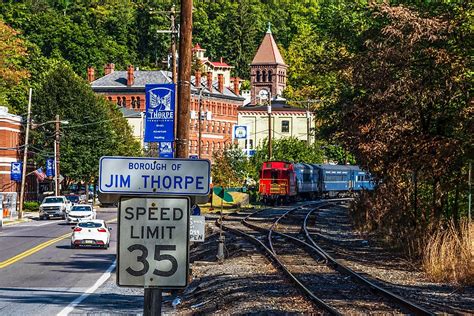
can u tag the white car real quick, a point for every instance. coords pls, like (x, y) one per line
(80, 212)
(91, 233)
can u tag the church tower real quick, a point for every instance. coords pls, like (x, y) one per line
(267, 70)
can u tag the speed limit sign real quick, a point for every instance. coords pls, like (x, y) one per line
(153, 242)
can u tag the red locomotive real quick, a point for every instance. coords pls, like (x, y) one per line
(277, 181)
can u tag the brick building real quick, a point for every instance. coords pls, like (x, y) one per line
(10, 138)
(219, 103)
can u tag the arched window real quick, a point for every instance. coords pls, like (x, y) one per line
(110, 98)
(270, 75)
(264, 76)
(133, 102)
(138, 103)
(119, 102)
(124, 102)
(258, 75)
(207, 147)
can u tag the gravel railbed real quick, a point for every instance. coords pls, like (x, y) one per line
(386, 268)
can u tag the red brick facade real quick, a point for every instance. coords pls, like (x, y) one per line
(10, 138)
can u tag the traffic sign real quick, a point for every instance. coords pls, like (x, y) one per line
(139, 176)
(159, 115)
(223, 194)
(153, 241)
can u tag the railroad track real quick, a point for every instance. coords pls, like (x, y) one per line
(330, 285)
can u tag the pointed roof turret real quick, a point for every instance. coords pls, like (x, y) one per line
(268, 52)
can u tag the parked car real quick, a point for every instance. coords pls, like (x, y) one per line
(54, 206)
(91, 233)
(81, 212)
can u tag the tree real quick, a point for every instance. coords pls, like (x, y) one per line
(96, 128)
(13, 55)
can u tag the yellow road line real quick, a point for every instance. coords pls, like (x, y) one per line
(35, 249)
(31, 251)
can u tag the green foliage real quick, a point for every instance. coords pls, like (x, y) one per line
(95, 127)
(31, 206)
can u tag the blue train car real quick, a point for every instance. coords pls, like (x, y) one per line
(307, 180)
(362, 180)
(342, 180)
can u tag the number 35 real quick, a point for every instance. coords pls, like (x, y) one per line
(158, 257)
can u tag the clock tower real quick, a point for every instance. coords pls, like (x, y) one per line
(267, 70)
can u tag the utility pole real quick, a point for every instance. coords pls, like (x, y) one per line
(184, 78)
(269, 110)
(56, 157)
(308, 127)
(173, 31)
(469, 198)
(25, 157)
(152, 302)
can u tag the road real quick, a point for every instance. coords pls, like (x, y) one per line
(41, 275)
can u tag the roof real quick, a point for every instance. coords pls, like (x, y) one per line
(197, 47)
(268, 52)
(278, 105)
(219, 64)
(117, 80)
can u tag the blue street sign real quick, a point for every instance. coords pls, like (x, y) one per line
(15, 172)
(240, 132)
(251, 152)
(50, 167)
(166, 149)
(159, 115)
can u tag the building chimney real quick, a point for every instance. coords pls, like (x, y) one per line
(209, 81)
(197, 76)
(236, 85)
(109, 68)
(90, 74)
(220, 81)
(130, 76)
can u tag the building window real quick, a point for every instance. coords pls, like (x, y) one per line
(264, 76)
(258, 75)
(285, 126)
(270, 76)
(119, 102)
(110, 98)
(138, 103)
(124, 102)
(133, 103)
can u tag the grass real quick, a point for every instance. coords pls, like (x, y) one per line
(449, 254)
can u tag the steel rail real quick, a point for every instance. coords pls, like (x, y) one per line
(279, 264)
(412, 307)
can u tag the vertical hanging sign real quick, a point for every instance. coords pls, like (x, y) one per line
(50, 167)
(159, 115)
(15, 172)
(166, 149)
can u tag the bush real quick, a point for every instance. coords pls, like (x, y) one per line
(31, 206)
(449, 254)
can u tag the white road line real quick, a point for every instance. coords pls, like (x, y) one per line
(89, 291)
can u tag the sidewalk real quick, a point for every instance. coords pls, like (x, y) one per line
(27, 217)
